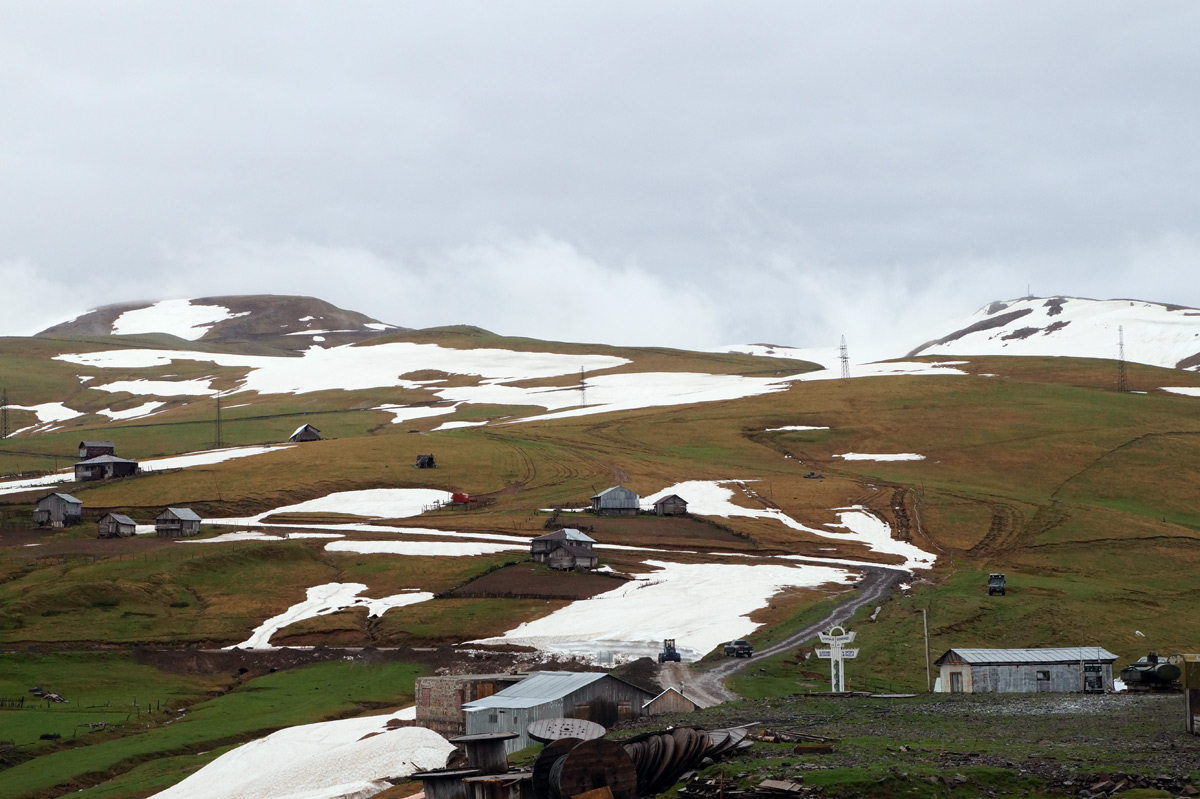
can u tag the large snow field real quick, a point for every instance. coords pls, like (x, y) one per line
(1154, 334)
(175, 317)
(327, 760)
(713, 498)
(440, 549)
(323, 600)
(699, 605)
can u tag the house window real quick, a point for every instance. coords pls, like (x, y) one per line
(1043, 675)
(493, 718)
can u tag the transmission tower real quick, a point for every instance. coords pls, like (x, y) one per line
(844, 357)
(582, 388)
(4, 413)
(1122, 378)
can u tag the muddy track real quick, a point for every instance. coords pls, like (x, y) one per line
(709, 686)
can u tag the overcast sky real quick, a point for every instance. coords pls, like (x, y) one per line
(680, 173)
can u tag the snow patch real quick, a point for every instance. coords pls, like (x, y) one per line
(895, 456)
(161, 388)
(175, 317)
(458, 425)
(145, 409)
(407, 413)
(793, 427)
(1187, 391)
(438, 549)
(347, 759)
(377, 503)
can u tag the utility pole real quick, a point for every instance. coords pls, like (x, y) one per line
(928, 667)
(1122, 378)
(844, 357)
(3, 413)
(218, 420)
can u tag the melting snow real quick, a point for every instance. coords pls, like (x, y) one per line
(699, 605)
(1190, 391)
(378, 503)
(406, 413)
(441, 549)
(176, 317)
(347, 759)
(896, 456)
(793, 427)
(133, 413)
(458, 425)
(161, 388)
(323, 600)
(253, 535)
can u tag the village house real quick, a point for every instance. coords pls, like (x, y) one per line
(92, 449)
(305, 432)
(115, 525)
(593, 696)
(564, 549)
(616, 501)
(58, 510)
(669, 701)
(440, 700)
(177, 523)
(105, 467)
(671, 505)
(1065, 669)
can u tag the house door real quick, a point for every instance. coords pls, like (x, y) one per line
(1093, 679)
(956, 682)
(1043, 681)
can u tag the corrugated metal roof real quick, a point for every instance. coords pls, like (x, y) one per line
(66, 497)
(620, 491)
(97, 444)
(104, 459)
(537, 689)
(184, 514)
(1068, 654)
(566, 534)
(121, 519)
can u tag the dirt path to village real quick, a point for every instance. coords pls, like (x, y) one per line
(707, 688)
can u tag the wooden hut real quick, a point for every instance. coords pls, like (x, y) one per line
(58, 510)
(426, 462)
(177, 523)
(105, 467)
(305, 432)
(1064, 669)
(616, 501)
(671, 505)
(115, 525)
(670, 701)
(566, 549)
(593, 696)
(93, 449)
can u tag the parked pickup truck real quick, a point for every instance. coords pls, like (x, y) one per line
(739, 649)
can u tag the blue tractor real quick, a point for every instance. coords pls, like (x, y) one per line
(669, 654)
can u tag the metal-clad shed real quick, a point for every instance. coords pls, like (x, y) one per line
(616, 501)
(105, 467)
(58, 510)
(671, 505)
(115, 525)
(440, 699)
(1059, 669)
(593, 696)
(177, 523)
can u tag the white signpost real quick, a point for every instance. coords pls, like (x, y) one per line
(837, 653)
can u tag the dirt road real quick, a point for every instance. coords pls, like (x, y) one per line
(707, 688)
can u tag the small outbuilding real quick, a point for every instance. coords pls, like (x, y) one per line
(671, 505)
(593, 696)
(105, 467)
(115, 525)
(305, 432)
(564, 549)
(1066, 669)
(177, 523)
(58, 510)
(1189, 666)
(426, 462)
(440, 699)
(616, 501)
(670, 701)
(93, 449)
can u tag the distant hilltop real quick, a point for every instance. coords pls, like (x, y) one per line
(286, 322)
(1154, 333)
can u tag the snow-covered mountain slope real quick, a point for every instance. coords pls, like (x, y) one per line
(290, 323)
(1155, 334)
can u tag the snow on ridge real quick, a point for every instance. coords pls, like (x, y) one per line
(1155, 334)
(178, 318)
(345, 759)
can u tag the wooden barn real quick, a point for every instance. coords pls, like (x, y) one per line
(115, 525)
(58, 510)
(177, 523)
(670, 701)
(1065, 669)
(440, 700)
(94, 449)
(593, 696)
(616, 501)
(671, 505)
(564, 549)
(426, 462)
(305, 432)
(105, 467)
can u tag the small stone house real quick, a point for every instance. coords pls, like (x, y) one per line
(115, 525)
(177, 523)
(93, 449)
(1065, 669)
(671, 505)
(58, 510)
(564, 549)
(440, 700)
(305, 432)
(616, 501)
(105, 467)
